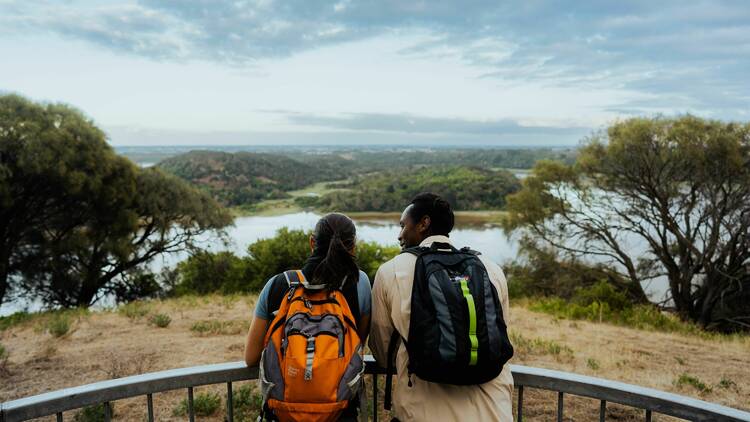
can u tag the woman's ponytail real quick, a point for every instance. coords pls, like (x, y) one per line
(335, 237)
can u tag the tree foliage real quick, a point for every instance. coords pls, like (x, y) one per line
(466, 188)
(245, 177)
(543, 274)
(76, 217)
(659, 198)
(224, 272)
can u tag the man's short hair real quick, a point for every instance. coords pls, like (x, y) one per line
(437, 208)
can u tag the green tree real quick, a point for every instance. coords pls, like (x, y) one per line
(76, 217)
(658, 198)
(49, 165)
(287, 250)
(207, 272)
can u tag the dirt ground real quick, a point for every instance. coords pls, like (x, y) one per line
(105, 345)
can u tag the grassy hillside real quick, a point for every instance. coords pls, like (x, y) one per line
(51, 351)
(244, 177)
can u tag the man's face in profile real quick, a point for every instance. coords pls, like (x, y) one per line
(410, 234)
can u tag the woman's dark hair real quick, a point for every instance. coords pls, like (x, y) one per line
(438, 209)
(335, 237)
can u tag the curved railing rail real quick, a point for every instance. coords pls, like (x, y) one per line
(649, 400)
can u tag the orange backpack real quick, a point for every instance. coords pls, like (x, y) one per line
(311, 365)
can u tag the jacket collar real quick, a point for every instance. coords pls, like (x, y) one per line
(436, 238)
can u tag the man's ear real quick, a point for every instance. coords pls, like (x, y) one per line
(424, 224)
(312, 243)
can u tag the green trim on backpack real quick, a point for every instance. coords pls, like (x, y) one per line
(472, 321)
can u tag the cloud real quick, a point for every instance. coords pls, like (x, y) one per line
(125, 136)
(695, 51)
(411, 124)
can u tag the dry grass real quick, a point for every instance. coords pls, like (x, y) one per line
(111, 344)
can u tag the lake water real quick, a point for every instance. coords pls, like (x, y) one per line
(488, 239)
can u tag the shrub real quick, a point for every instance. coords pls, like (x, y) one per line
(160, 320)
(58, 324)
(538, 346)
(544, 274)
(287, 250)
(14, 319)
(227, 273)
(695, 382)
(216, 327)
(207, 272)
(247, 403)
(204, 404)
(603, 293)
(593, 364)
(93, 413)
(727, 383)
(647, 317)
(134, 310)
(137, 284)
(3, 360)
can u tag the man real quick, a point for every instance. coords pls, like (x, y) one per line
(426, 220)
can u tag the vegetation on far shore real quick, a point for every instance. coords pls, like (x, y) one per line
(269, 184)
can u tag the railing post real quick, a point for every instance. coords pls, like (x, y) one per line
(191, 413)
(559, 406)
(150, 406)
(648, 415)
(374, 397)
(602, 410)
(519, 418)
(107, 412)
(59, 417)
(230, 407)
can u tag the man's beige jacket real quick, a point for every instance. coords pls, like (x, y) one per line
(426, 401)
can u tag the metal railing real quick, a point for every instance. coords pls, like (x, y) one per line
(649, 400)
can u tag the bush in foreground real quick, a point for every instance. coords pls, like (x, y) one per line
(204, 404)
(226, 273)
(160, 320)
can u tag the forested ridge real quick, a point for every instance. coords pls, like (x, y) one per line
(244, 177)
(376, 181)
(466, 188)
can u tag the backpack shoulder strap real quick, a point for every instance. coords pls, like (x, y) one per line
(281, 285)
(294, 278)
(393, 344)
(468, 250)
(415, 250)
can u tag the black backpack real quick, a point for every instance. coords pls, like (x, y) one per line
(457, 334)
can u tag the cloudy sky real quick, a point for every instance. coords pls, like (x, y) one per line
(528, 72)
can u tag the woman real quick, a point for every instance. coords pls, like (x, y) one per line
(331, 263)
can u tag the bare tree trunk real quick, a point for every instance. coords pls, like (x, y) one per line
(4, 273)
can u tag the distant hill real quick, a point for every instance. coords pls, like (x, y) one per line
(245, 177)
(380, 180)
(367, 161)
(467, 188)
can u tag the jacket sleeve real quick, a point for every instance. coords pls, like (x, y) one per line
(497, 277)
(382, 325)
